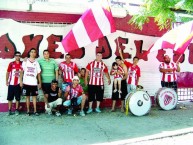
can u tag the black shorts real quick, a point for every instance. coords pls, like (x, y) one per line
(14, 90)
(95, 93)
(169, 85)
(46, 87)
(29, 90)
(115, 96)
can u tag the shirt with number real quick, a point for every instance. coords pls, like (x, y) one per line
(97, 70)
(74, 92)
(169, 76)
(30, 69)
(68, 70)
(14, 69)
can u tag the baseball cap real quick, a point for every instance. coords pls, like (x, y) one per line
(76, 78)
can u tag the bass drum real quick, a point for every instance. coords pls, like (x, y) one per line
(138, 103)
(166, 98)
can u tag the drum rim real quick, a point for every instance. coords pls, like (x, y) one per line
(129, 97)
(158, 101)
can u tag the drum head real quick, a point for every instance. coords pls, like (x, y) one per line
(167, 98)
(139, 103)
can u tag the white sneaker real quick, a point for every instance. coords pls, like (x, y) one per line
(50, 113)
(82, 113)
(69, 112)
(58, 113)
(98, 110)
(115, 90)
(16, 112)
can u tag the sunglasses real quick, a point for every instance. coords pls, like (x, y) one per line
(75, 80)
(18, 55)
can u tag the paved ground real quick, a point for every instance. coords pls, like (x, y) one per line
(103, 128)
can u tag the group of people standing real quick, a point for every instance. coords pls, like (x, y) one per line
(78, 85)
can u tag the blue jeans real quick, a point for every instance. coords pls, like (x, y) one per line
(67, 103)
(64, 85)
(130, 88)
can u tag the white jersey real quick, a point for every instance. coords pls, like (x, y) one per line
(31, 69)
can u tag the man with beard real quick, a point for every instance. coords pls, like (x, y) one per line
(168, 70)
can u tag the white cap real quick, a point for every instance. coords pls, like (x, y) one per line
(76, 78)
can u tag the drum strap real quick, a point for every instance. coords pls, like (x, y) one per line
(127, 107)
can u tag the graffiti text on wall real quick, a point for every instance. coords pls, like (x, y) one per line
(7, 48)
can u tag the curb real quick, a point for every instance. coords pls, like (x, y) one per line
(164, 134)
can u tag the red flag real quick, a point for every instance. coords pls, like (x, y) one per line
(95, 23)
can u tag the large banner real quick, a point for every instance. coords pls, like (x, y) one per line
(15, 36)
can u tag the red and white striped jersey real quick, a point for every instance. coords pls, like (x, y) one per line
(75, 92)
(97, 70)
(31, 69)
(14, 72)
(169, 76)
(120, 69)
(128, 64)
(133, 73)
(68, 70)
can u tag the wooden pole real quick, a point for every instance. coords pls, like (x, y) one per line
(179, 58)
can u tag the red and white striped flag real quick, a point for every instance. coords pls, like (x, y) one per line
(95, 23)
(177, 39)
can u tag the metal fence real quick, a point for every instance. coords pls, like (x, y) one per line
(185, 94)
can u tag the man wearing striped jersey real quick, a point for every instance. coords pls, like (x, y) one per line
(134, 73)
(13, 82)
(67, 69)
(168, 71)
(96, 69)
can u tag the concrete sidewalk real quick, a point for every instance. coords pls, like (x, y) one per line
(102, 128)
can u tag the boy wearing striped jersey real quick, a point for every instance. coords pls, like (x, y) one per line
(75, 96)
(134, 73)
(13, 82)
